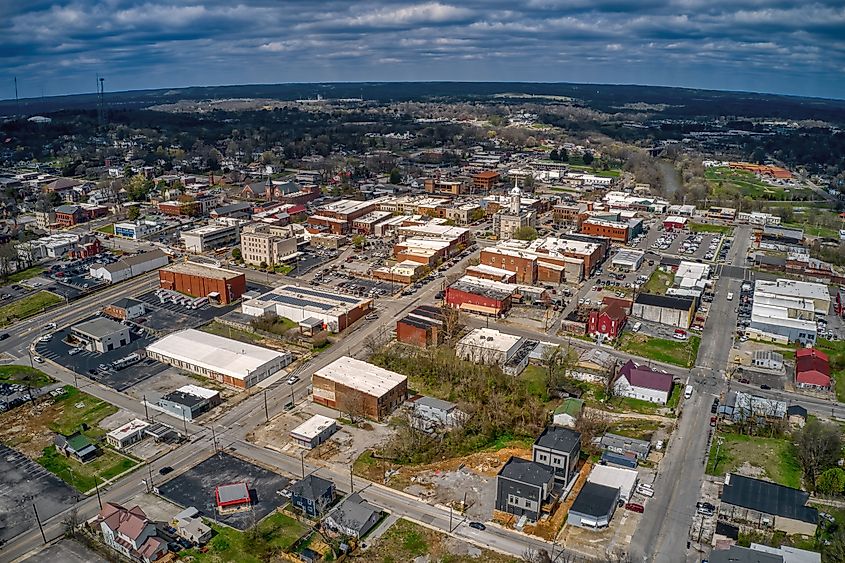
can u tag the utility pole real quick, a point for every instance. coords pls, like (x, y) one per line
(37, 519)
(266, 412)
(150, 471)
(214, 438)
(302, 461)
(146, 412)
(351, 481)
(185, 422)
(450, 518)
(99, 500)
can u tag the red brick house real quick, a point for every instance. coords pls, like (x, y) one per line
(70, 215)
(608, 321)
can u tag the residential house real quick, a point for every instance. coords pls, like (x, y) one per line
(643, 383)
(739, 406)
(130, 533)
(77, 446)
(523, 487)
(354, 517)
(625, 446)
(431, 415)
(757, 504)
(558, 447)
(312, 495)
(568, 412)
(796, 415)
(190, 526)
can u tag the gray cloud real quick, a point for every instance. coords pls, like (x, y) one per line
(776, 45)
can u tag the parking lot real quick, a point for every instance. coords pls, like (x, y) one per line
(22, 484)
(96, 366)
(196, 487)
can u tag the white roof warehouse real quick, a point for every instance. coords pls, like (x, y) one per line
(299, 303)
(228, 361)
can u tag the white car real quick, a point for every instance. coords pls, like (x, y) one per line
(46, 338)
(50, 326)
(38, 359)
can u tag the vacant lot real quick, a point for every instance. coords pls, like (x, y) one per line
(27, 307)
(32, 428)
(638, 428)
(754, 456)
(676, 352)
(24, 375)
(724, 181)
(405, 541)
(659, 282)
(275, 534)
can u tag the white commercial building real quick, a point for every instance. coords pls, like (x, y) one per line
(213, 235)
(51, 246)
(628, 260)
(314, 431)
(136, 230)
(129, 266)
(128, 434)
(336, 311)
(616, 477)
(491, 347)
(228, 361)
(785, 310)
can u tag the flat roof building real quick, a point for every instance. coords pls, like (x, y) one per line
(211, 236)
(296, 303)
(228, 361)
(359, 388)
(491, 347)
(101, 334)
(201, 280)
(232, 497)
(128, 434)
(314, 431)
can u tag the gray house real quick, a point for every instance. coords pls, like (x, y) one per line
(594, 506)
(523, 486)
(559, 448)
(354, 517)
(312, 495)
(431, 414)
(623, 445)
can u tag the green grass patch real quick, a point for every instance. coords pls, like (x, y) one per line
(24, 374)
(107, 229)
(227, 331)
(406, 541)
(27, 307)
(637, 428)
(535, 379)
(774, 455)
(708, 228)
(273, 324)
(82, 476)
(726, 182)
(284, 269)
(659, 282)
(24, 274)
(275, 534)
(611, 173)
(78, 409)
(676, 352)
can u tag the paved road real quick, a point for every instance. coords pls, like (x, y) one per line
(663, 537)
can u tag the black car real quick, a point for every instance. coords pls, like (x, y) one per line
(477, 526)
(165, 470)
(4, 336)
(765, 387)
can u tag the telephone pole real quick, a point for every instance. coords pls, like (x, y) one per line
(37, 519)
(266, 412)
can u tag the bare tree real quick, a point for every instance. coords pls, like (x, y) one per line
(71, 523)
(533, 555)
(591, 424)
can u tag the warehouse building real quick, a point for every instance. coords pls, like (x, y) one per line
(491, 347)
(628, 260)
(664, 309)
(314, 431)
(359, 388)
(336, 311)
(480, 296)
(228, 361)
(101, 334)
(200, 280)
(785, 310)
(129, 267)
(423, 327)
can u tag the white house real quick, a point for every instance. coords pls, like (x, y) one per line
(643, 383)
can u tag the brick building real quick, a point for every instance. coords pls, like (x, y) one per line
(199, 280)
(421, 327)
(485, 180)
(359, 388)
(480, 296)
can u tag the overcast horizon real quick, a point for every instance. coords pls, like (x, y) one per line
(777, 47)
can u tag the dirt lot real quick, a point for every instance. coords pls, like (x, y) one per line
(344, 447)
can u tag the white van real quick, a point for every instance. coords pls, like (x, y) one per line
(688, 392)
(730, 296)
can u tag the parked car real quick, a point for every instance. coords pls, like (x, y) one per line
(165, 470)
(292, 379)
(477, 526)
(765, 387)
(4, 336)
(634, 507)
(38, 359)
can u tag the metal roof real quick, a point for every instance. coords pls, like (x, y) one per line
(768, 498)
(595, 500)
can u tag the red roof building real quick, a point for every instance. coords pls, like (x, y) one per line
(232, 496)
(608, 321)
(812, 369)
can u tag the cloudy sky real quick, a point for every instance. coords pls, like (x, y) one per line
(758, 45)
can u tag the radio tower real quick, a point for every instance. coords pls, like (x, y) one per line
(101, 105)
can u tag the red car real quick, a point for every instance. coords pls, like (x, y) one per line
(712, 421)
(634, 507)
